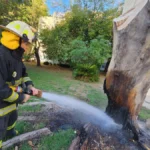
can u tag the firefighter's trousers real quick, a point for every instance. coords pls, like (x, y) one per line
(7, 124)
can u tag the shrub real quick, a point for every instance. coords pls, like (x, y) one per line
(86, 72)
(87, 57)
(94, 53)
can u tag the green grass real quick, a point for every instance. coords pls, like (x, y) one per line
(39, 125)
(23, 127)
(97, 98)
(52, 81)
(25, 146)
(59, 141)
(144, 114)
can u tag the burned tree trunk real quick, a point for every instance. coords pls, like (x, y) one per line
(91, 137)
(128, 77)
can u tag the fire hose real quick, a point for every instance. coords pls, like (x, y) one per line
(25, 90)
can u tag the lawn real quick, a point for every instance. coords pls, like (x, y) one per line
(57, 79)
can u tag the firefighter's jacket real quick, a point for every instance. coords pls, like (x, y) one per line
(12, 73)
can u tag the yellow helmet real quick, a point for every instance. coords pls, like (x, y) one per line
(21, 29)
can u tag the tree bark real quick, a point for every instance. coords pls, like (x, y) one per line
(91, 137)
(36, 49)
(26, 136)
(128, 77)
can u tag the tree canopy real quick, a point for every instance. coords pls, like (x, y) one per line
(83, 39)
(29, 11)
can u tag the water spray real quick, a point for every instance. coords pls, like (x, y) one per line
(83, 111)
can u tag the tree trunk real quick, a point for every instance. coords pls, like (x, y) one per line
(128, 77)
(92, 138)
(36, 49)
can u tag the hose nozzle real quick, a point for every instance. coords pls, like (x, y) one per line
(39, 94)
(30, 92)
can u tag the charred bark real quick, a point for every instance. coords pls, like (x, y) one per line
(128, 77)
(91, 137)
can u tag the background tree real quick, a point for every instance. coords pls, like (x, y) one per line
(36, 9)
(28, 11)
(95, 5)
(83, 26)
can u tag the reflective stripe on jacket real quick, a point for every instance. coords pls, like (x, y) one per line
(12, 72)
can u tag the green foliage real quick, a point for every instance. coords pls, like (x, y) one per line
(94, 53)
(78, 23)
(86, 58)
(93, 5)
(59, 141)
(35, 10)
(56, 42)
(28, 11)
(86, 72)
(84, 27)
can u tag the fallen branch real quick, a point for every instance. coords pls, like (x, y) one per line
(75, 144)
(37, 103)
(16, 147)
(26, 136)
(26, 118)
(47, 105)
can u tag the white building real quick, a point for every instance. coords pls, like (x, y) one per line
(48, 22)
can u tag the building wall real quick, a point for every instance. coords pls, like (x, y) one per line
(48, 22)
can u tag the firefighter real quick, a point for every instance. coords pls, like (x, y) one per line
(17, 36)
